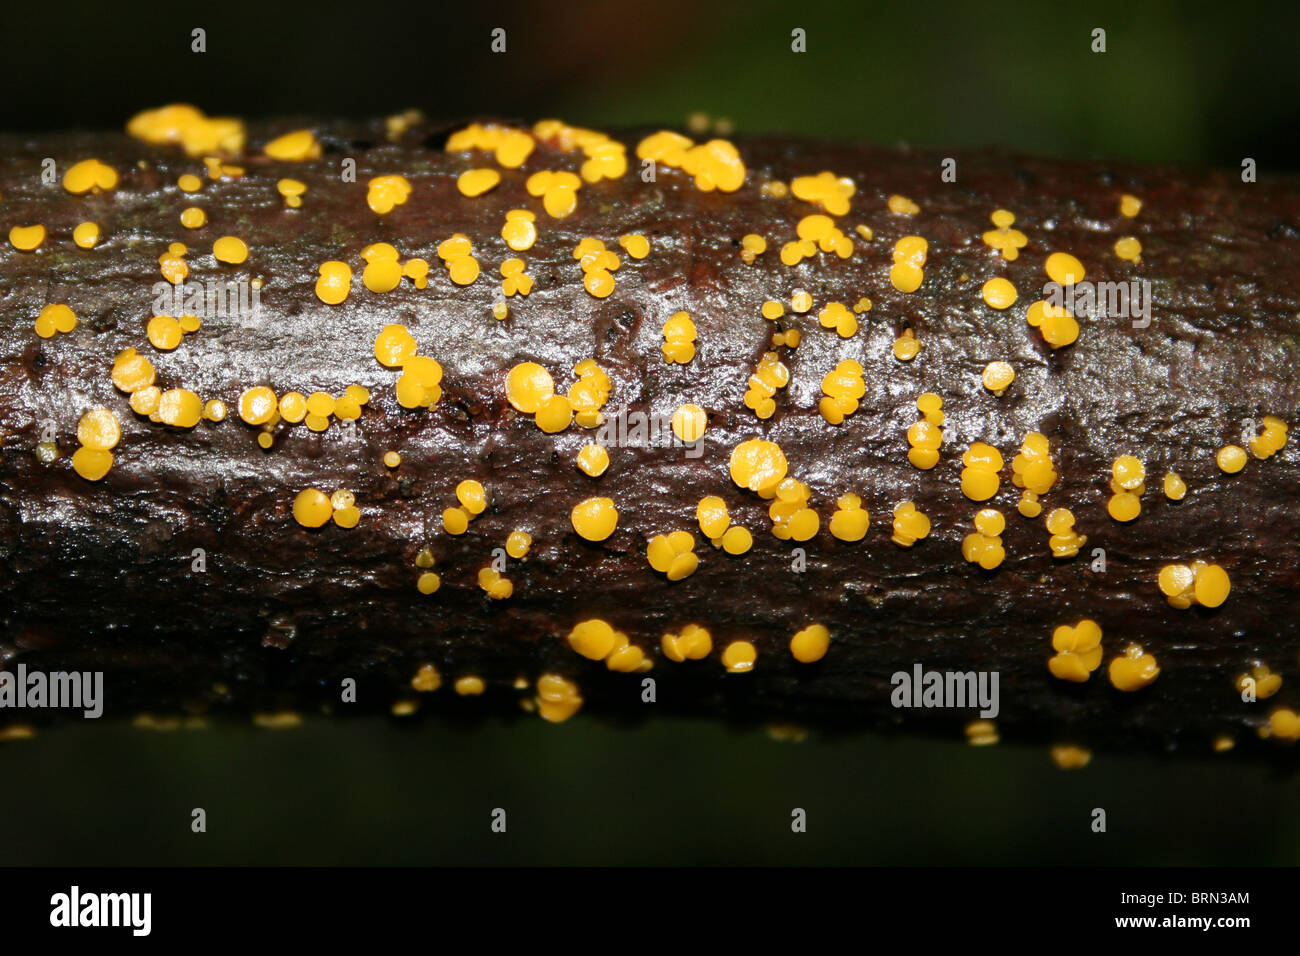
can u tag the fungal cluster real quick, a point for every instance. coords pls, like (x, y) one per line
(544, 174)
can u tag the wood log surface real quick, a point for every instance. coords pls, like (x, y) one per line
(101, 575)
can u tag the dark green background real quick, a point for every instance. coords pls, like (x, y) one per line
(1203, 83)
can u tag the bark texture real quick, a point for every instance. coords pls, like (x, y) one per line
(98, 575)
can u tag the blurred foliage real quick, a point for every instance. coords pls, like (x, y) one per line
(1180, 82)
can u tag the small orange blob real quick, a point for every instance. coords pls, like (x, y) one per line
(312, 508)
(595, 518)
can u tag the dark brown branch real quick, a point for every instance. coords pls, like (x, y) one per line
(98, 575)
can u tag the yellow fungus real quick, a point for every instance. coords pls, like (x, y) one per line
(910, 525)
(560, 201)
(758, 465)
(1124, 506)
(384, 193)
(132, 371)
(297, 146)
(737, 540)
(518, 543)
(320, 404)
(1283, 724)
(230, 249)
(692, 643)
(455, 520)
(1262, 682)
(1128, 249)
(27, 238)
(1133, 670)
(468, 686)
(192, 217)
(1231, 459)
(1078, 651)
(463, 271)
(1129, 206)
(712, 515)
(528, 385)
(594, 639)
(146, 400)
(738, 657)
(1129, 472)
(906, 347)
(55, 318)
(810, 644)
(476, 182)
(595, 518)
(519, 234)
(98, 430)
(1211, 585)
(689, 422)
(906, 277)
(557, 699)
(86, 235)
(979, 479)
(292, 407)
(850, 521)
(312, 508)
(999, 293)
(998, 376)
(92, 463)
(180, 407)
(1070, 756)
(257, 405)
(189, 183)
(592, 460)
(88, 175)
(672, 554)
(1063, 268)
(982, 733)
(382, 276)
(428, 582)
(394, 346)
(1059, 329)
(472, 496)
(334, 282)
(494, 584)
(636, 245)
(1175, 487)
(902, 206)
(347, 517)
(679, 338)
